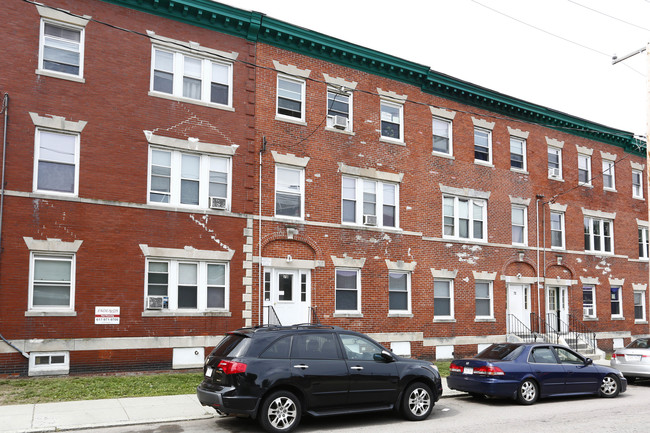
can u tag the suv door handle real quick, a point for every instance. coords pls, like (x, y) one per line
(356, 367)
(301, 366)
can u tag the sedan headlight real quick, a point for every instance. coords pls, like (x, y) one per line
(620, 374)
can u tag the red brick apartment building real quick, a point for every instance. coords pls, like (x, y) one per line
(177, 169)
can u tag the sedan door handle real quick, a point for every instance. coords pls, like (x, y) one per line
(301, 366)
(356, 367)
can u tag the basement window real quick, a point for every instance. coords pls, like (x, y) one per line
(49, 363)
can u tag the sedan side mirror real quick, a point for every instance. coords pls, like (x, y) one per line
(589, 361)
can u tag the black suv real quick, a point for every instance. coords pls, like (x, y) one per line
(278, 373)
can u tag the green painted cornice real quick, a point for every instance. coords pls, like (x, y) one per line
(257, 27)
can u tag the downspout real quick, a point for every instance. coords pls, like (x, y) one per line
(260, 279)
(539, 312)
(5, 110)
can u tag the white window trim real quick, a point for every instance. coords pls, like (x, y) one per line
(489, 139)
(329, 123)
(612, 172)
(643, 319)
(60, 256)
(379, 203)
(645, 240)
(451, 315)
(408, 294)
(303, 90)
(358, 276)
(400, 107)
(62, 19)
(302, 191)
(525, 226)
(620, 315)
(471, 218)
(559, 161)
(634, 194)
(450, 136)
(524, 169)
(201, 287)
(175, 178)
(47, 370)
(602, 235)
(491, 298)
(197, 52)
(587, 158)
(593, 300)
(563, 230)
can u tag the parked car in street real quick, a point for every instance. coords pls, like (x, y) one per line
(278, 374)
(528, 371)
(633, 360)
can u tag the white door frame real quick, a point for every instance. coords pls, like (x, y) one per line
(518, 303)
(295, 309)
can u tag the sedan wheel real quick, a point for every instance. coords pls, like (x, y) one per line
(280, 412)
(527, 392)
(417, 404)
(610, 386)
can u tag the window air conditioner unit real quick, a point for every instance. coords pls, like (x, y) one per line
(554, 172)
(340, 122)
(370, 220)
(156, 302)
(217, 203)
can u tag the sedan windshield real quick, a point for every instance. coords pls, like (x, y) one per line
(503, 352)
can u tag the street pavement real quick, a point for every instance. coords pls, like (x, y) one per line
(90, 414)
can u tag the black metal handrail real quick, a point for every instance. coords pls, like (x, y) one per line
(519, 328)
(271, 316)
(574, 331)
(313, 316)
(547, 330)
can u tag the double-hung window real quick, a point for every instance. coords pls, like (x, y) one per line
(643, 243)
(588, 302)
(392, 125)
(616, 302)
(442, 134)
(519, 225)
(443, 299)
(484, 300)
(482, 145)
(369, 202)
(52, 282)
(291, 98)
(289, 191)
(608, 175)
(399, 292)
(639, 306)
(339, 110)
(348, 291)
(191, 78)
(57, 162)
(189, 179)
(517, 153)
(188, 285)
(637, 184)
(554, 162)
(62, 47)
(557, 230)
(584, 169)
(598, 235)
(464, 218)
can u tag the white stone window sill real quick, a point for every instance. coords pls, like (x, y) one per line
(448, 320)
(293, 120)
(190, 101)
(406, 315)
(60, 75)
(341, 131)
(36, 313)
(391, 141)
(348, 315)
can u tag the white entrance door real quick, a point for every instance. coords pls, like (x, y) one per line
(557, 306)
(518, 306)
(287, 291)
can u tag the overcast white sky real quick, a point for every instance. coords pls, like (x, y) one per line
(564, 64)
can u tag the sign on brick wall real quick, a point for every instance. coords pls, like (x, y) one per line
(107, 315)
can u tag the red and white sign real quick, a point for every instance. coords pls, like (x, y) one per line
(107, 315)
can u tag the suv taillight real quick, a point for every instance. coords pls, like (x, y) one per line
(232, 367)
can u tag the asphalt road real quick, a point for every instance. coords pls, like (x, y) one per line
(627, 413)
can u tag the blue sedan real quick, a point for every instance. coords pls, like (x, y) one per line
(528, 371)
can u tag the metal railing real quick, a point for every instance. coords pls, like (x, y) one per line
(313, 316)
(520, 329)
(271, 316)
(574, 332)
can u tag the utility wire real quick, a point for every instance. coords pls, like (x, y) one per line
(255, 65)
(609, 16)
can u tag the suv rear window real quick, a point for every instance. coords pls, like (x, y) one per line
(232, 345)
(504, 352)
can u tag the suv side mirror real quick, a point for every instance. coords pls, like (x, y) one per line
(384, 356)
